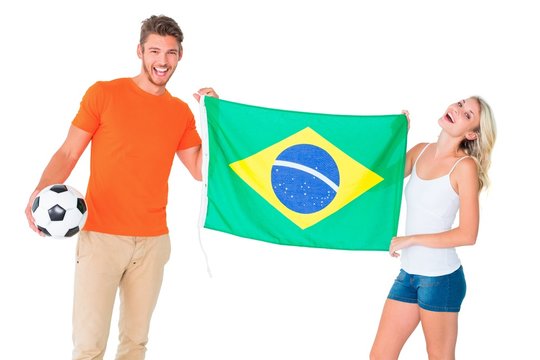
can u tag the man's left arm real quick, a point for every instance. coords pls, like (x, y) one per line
(192, 157)
(192, 160)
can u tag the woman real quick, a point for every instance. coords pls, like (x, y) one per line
(446, 177)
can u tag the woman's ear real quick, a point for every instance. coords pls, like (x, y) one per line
(473, 135)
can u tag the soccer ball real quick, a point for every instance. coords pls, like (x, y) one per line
(59, 211)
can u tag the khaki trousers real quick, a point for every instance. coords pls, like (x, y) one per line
(106, 263)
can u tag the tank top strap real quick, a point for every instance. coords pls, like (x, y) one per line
(457, 162)
(421, 152)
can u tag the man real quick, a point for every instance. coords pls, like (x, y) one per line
(135, 127)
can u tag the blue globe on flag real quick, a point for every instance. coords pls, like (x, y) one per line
(305, 178)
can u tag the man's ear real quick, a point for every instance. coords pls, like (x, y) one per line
(139, 51)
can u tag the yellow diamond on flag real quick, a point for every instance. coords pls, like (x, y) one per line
(305, 177)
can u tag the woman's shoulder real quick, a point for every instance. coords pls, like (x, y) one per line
(465, 174)
(418, 147)
(465, 165)
(416, 150)
(412, 155)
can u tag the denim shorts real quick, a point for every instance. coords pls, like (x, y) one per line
(434, 293)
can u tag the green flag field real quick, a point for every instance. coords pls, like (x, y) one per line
(302, 179)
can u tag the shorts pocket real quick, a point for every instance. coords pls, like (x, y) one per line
(401, 276)
(82, 249)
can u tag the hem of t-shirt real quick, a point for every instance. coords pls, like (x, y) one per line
(117, 232)
(423, 272)
(77, 125)
(184, 147)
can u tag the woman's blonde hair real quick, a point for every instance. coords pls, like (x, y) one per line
(480, 148)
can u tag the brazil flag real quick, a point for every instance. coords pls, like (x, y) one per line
(304, 179)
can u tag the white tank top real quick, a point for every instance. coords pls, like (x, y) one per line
(432, 206)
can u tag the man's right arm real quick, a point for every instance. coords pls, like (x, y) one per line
(60, 165)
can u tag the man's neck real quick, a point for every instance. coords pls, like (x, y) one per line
(142, 82)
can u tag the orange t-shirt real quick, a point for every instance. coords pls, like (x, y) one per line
(135, 136)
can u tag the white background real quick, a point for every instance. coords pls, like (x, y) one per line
(267, 301)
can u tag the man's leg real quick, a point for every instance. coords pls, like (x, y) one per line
(101, 260)
(139, 291)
